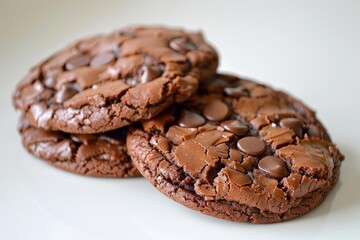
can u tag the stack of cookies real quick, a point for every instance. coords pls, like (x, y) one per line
(149, 101)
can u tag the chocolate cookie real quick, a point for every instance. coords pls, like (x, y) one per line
(108, 81)
(240, 151)
(102, 155)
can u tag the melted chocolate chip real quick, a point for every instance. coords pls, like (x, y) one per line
(189, 119)
(251, 145)
(216, 110)
(274, 166)
(149, 73)
(235, 127)
(219, 151)
(191, 161)
(65, 93)
(76, 62)
(236, 91)
(102, 59)
(182, 45)
(294, 124)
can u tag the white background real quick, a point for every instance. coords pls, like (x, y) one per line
(308, 48)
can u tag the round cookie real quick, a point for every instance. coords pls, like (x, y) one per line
(105, 82)
(240, 151)
(101, 155)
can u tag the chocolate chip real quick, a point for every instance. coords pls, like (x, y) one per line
(102, 59)
(76, 62)
(149, 73)
(189, 155)
(236, 91)
(314, 131)
(294, 124)
(189, 119)
(182, 45)
(236, 177)
(50, 82)
(251, 145)
(65, 93)
(235, 127)
(216, 110)
(274, 166)
(38, 86)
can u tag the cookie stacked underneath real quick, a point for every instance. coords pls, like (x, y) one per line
(148, 100)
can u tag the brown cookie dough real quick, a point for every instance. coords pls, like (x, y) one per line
(108, 81)
(240, 151)
(101, 155)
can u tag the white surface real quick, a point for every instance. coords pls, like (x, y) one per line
(308, 48)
